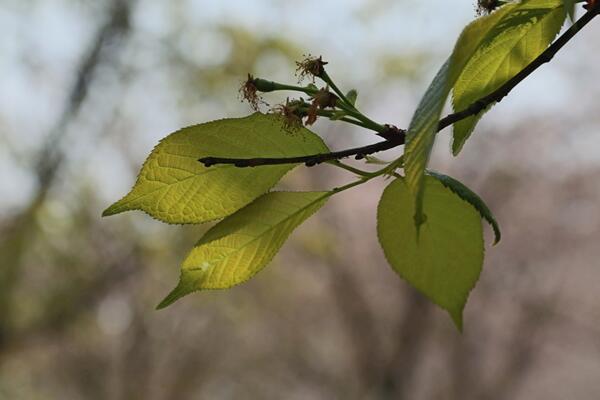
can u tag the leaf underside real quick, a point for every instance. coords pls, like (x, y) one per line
(462, 191)
(474, 39)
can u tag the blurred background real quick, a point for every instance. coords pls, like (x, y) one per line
(87, 88)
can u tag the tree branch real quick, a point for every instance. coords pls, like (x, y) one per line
(507, 87)
(311, 160)
(397, 137)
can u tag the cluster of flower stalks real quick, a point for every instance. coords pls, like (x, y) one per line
(328, 101)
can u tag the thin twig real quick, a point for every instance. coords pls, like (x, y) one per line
(397, 137)
(309, 161)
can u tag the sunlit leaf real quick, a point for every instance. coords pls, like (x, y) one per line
(516, 40)
(511, 17)
(445, 261)
(238, 247)
(423, 126)
(174, 187)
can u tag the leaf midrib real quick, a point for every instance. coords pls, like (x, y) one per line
(519, 39)
(269, 229)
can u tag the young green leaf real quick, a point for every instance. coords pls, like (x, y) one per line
(570, 8)
(337, 115)
(515, 41)
(238, 247)
(470, 197)
(352, 95)
(174, 187)
(423, 126)
(445, 261)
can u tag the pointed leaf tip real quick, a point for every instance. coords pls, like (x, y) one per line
(180, 290)
(445, 261)
(241, 245)
(457, 319)
(111, 210)
(570, 9)
(175, 188)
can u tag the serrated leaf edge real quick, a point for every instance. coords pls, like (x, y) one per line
(182, 289)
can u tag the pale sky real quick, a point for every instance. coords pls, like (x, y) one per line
(41, 44)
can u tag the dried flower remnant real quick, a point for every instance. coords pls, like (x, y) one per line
(310, 67)
(248, 92)
(485, 7)
(292, 114)
(320, 100)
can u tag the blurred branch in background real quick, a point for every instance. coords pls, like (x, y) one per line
(328, 319)
(18, 233)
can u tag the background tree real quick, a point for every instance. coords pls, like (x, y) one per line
(327, 319)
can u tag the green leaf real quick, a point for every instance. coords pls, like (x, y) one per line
(337, 115)
(375, 160)
(445, 261)
(174, 187)
(570, 8)
(421, 136)
(470, 197)
(511, 17)
(514, 42)
(423, 126)
(352, 95)
(238, 247)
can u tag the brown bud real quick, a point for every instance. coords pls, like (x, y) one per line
(320, 100)
(310, 67)
(291, 113)
(485, 7)
(248, 91)
(590, 4)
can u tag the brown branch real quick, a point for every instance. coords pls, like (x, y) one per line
(309, 161)
(399, 137)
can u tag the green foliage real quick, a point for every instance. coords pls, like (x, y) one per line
(445, 261)
(352, 95)
(175, 188)
(570, 8)
(506, 33)
(470, 197)
(421, 135)
(423, 126)
(513, 42)
(429, 224)
(238, 247)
